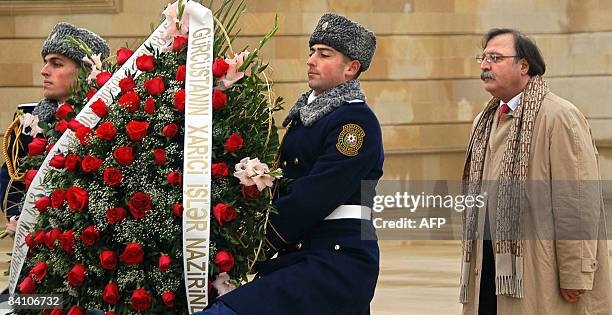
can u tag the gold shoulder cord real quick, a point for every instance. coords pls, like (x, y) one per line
(11, 163)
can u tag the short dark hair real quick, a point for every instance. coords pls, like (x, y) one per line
(525, 48)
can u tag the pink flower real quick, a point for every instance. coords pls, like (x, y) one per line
(172, 20)
(232, 75)
(253, 172)
(222, 284)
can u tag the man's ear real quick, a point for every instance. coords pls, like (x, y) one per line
(524, 67)
(352, 68)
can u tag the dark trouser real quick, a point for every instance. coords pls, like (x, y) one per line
(487, 302)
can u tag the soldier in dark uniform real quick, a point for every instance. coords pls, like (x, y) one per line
(328, 256)
(61, 62)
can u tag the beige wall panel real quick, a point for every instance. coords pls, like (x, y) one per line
(424, 166)
(387, 17)
(10, 97)
(425, 138)
(605, 164)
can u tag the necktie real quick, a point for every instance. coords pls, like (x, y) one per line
(502, 112)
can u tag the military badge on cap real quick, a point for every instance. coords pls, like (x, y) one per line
(350, 139)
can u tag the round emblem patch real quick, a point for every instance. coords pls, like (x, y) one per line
(350, 139)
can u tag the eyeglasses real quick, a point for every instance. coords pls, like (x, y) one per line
(491, 58)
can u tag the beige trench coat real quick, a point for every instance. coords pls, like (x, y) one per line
(561, 149)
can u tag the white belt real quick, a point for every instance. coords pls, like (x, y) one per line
(350, 212)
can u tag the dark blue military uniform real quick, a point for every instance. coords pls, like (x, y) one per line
(13, 192)
(323, 266)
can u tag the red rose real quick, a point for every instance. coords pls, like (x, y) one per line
(50, 147)
(74, 125)
(141, 300)
(37, 146)
(137, 130)
(132, 254)
(124, 156)
(72, 162)
(29, 177)
(251, 192)
(51, 237)
(168, 298)
(39, 271)
(77, 198)
(27, 286)
(63, 111)
(181, 73)
(112, 176)
(130, 101)
(123, 54)
(55, 311)
(224, 213)
(177, 209)
(58, 196)
(175, 178)
(99, 108)
(76, 275)
(75, 310)
(108, 259)
(219, 68)
(61, 126)
(58, 161)
(106, 131)
(91, 164)
(102, 78)
(110, 313)
(127, 84)
(178, 43)
(149, 107)
(139, 204)
(39, 237)
(219, 170)
(159, 156)
(90, 235)
(155, 86)
(110, 294)
(145, 63)
(29, 239)
(233, 143)
(115, 215)
(170, 130)
(67, 241)
(42, 204)
(91, 93)
(179, 100)
(83, 134)
(224, 260)
(164, 262)
(219, 99)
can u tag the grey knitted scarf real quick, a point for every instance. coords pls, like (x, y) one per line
(45, 110)
(324, 104)
(508, 245)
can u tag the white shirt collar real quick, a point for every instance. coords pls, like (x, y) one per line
(311, 97)
(513, 103)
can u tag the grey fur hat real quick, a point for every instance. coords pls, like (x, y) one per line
(55, 42)
(346, 36)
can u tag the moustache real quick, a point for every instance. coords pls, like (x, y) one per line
(487, 75)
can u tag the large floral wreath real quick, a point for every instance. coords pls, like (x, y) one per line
(109, 233)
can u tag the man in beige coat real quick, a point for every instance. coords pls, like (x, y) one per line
(539, 246)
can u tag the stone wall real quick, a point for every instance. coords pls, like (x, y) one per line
(423, 83)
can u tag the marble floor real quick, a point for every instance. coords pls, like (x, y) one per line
(416, 278)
